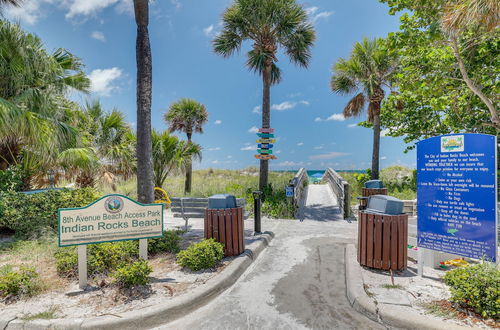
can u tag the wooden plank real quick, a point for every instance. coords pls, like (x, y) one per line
(216, 225)
(394, 244)
(377, 259)
(241, 231)
(386, 249)
(205, 224)
(369, 240)
(363, 238)
(400, 242)
(405, 243)
(234, 231)
(359, 236)
(229, 228)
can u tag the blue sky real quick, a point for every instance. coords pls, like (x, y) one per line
(306, 114)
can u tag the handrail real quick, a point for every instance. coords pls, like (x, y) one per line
(341, 189)
(299, 182)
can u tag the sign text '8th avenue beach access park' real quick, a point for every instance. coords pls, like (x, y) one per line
(110, 218)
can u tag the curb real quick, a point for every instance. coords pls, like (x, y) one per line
(153, 316)
(392, 315)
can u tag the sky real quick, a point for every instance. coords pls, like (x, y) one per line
(307, 117)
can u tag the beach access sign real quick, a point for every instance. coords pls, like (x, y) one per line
(110, 218)
(457, 195)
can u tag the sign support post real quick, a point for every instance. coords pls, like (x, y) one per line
(82, 266)
(143, 249)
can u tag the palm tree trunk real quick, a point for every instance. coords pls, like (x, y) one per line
(145, 189)
(189, 170)
(376, 146)
(266, 122)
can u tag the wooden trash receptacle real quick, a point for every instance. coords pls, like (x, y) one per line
(367, 192)
(383, 241)
(227, 227)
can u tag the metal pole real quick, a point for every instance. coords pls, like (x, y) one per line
(256, 207)
(143, 249)
(82, 266)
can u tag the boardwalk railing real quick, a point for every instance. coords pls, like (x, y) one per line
(341, 189)
(299, 182)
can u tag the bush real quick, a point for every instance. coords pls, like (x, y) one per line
(202, 255)
(30, 215)
(102, 258)
(133, 274)
(13, 179)
(476, 286)
(23, 282)
(168, 243)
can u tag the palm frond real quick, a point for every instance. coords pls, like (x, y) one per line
(355, 106)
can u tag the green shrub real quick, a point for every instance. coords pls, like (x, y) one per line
(31, 215)
(202, 255)
(133, 274)
(476, 286)
(168, 243)
(13, 179)
(23, 282)
(102, 258)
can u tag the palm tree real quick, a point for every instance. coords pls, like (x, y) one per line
(170, 154)
(368, 70)
(33, 101)
(270, 25)
(145, 188)
(188, 116)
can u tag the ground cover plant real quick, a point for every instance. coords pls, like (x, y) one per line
(203, 255)
(23, 281)
(133, 274)
(477, 287)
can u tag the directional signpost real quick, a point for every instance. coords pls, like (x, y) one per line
(265, 144)
(457, 195)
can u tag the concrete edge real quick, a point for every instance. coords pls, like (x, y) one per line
(392, 315)
(152, 316)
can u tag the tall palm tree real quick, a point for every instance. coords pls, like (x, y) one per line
(145, 188)
(270, 25)
(170, 154)
(188, 116)
(366, 72)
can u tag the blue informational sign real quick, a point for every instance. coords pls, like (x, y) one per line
(457, 195)
(289, 191)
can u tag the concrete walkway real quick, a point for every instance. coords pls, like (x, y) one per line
(297, 283)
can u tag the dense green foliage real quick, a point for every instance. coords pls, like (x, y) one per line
(133, 274)
(275, 203)
(13, 179)
(476, 286)
(30, 215)
(203, 255)
(22, 282)
(168, 243)
(432, 97)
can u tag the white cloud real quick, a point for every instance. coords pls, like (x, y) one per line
(214, 149)
(290, 163)
(218, 122)
(311, 12)
(300, 144)
(29, 13)
(257, 109)
(278, 151)
(304, 102)
(253, 129)
(336, 117)
(318, 119)
(87, 7)
(318, 147)
(209, 30)
(102, 80)
(215, 162)
(383, 158)
(229, 157)
(284, 106)
(352, 125)
(329, 155)
(250, 147)
(98, 35)
(177, 4)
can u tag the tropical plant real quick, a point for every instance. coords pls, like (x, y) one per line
(187, 116)
(145, 189)
(33, 102)
(269, 25)
(366, 72)
(170, 154)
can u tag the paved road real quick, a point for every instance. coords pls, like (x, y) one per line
(298, 282)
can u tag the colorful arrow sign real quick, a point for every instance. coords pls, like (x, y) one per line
(265, 157)
(265, 151)
(266, 130)
(265, 135)
(267, 141)
(265, 146)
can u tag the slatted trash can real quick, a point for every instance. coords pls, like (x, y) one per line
(382, 236)
(371, 187)
(224, 223)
